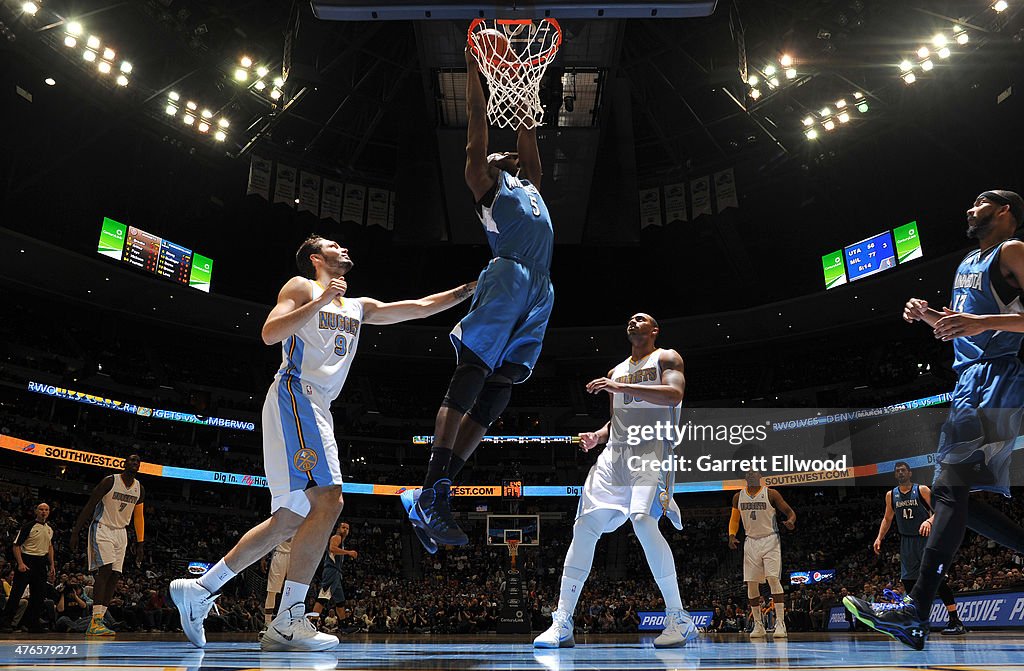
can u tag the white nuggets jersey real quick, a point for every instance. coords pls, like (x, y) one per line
(629, 411)
(758, 514)
(321, 351)
(116, 507)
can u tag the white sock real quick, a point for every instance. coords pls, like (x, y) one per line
(659, 558)
(214, 579)
(780, 613)
(267, 619)
(569, 595)
(99, 611)
(669, 587)
(294, 594)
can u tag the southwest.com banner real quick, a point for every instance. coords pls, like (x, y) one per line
(655, 620)
(140, 410)
(976, 611)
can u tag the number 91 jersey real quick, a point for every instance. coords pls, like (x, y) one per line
(321, 351)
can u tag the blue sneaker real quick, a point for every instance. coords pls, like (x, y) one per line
(433, 514)
(902, 622)
(409, 498)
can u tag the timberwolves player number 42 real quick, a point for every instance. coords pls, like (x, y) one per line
(318, 329)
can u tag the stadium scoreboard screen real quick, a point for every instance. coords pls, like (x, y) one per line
(872, 255)
(151, 253)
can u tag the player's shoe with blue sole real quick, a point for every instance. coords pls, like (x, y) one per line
(679, 630)
(902, 622)
(559, 634)
(433, 514)
(409, 498)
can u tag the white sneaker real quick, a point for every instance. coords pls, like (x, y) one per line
(294, 632)
(758, 631)
(679, 630)
(193, 602)
(780, 631)
(559, 634)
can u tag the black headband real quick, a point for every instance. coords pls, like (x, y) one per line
(1015, 206)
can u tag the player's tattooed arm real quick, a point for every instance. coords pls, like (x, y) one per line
(377, 312)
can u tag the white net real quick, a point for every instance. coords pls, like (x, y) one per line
(513, 55)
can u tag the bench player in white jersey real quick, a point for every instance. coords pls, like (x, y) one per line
(756, 506)
(645, 390)
(115, 502)
(276, 573)
(318, 329)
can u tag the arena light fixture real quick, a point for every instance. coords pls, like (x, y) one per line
(927, 65)
(754, 93)
(204, 127)
(171, 110)
(108, 54)
(246, 62)
(261, 71)
(1001, 6)
(844, 117)
(207, 114)
(70, 41)
(104, 67)
(906, 66)
(753, 80)
(829, 124)
(863, 107)
(811, 133)
(786, 60)
(126, 67)
(962, 38)
(93, 42)
(223, 123)
(774, 82)
(923, 52)
(173, 95)
(278, 81)
(189, 119)
(260, 85)
(75, 28)
(769, 70)
(30, 8)
(858, 95)
(122, 80)
(808, 121)
(939, 40)
(220, 136)
(825, 111)
(241, 75)
(790, 73)
(50, 81)
(191, 105)
(841, 103)
(275, 94)
(89, 55)
(910, 78)
(944, 52)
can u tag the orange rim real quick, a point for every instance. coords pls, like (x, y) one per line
(533, 62)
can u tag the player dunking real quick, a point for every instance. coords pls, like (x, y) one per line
(497, 343)
(755, 506)
(318, 328)
(644, 390)
(116, 501)
(911, 505)
(332, 592)
(986, 326)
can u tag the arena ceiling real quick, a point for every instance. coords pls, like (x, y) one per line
(654, 102)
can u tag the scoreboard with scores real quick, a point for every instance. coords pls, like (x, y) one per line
(153, 254)
(873, 255)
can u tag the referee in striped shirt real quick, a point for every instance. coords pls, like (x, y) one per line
(33, 558)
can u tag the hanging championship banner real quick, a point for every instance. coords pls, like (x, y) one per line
(330, 204)
(650, 207)
(675, 202)
(377, 208)
(309, 193)
(355, 197)
(701, 192)
(725, 190)
(259, 177)
(284, 189)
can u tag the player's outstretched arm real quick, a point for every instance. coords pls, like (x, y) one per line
(376, 312)
(479, 177)
(529, 156)
(780, 504)
(883, 528)
(295, 306)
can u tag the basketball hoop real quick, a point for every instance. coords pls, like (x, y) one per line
(513, 74)
(513, 550)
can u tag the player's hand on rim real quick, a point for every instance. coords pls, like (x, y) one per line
(914, 310)
(958, 325)
(604, 384)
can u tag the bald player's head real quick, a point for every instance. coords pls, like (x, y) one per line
(642, 326)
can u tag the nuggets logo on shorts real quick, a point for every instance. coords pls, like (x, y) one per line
(305, 460)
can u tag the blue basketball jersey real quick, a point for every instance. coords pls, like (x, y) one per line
(981, 289)
(910, 510)
(517, 222)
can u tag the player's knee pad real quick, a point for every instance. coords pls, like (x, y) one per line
(493, 400)
(775, 584)
(465, 387)
(753, 590)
